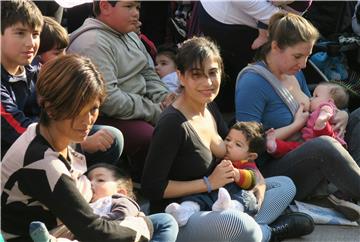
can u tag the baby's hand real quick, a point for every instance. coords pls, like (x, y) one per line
(236, 175)
(322, 119)
(235, 171)
(222, 174)
(225, 163)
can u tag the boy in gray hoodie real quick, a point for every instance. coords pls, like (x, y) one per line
(135, 94)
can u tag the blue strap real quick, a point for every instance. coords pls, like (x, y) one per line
(208, 185)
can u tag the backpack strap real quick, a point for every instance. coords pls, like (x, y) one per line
(283, 93)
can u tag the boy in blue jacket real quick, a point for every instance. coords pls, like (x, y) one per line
(20, 40)
(21, 31)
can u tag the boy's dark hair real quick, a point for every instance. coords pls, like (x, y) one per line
(168, 50)
(20, 11)
(96, 6)
(254, 134)
(123, 180)
(53, 35)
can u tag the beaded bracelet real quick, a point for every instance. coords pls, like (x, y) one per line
(206, 180)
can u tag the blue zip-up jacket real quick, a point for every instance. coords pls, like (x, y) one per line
(19, 107)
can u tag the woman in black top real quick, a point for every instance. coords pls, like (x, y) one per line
(182, 159)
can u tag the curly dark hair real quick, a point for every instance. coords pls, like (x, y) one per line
(255, 135)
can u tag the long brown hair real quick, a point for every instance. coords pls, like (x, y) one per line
(288, 29)
(66, 85)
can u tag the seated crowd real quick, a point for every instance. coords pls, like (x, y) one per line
(85, 115)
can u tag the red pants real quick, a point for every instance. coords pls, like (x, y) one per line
(283, 147)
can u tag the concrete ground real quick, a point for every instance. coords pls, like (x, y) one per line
(331, 233)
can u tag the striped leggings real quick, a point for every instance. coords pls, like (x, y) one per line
(237, 226)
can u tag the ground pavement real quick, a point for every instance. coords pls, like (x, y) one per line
(331, 233)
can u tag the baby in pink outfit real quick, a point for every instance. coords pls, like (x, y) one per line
(327, 98)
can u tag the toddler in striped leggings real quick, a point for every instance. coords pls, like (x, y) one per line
(244, 142)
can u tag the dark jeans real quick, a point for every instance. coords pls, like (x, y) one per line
(318, 160)
(137, 136)
(352, 135)
(111, 155)
(165, 227)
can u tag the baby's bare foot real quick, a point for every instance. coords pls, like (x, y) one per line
(270, 141)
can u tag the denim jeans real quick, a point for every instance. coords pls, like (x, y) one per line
(111, 155)
(137, 136)
(165, 227)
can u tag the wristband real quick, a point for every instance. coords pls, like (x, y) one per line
(208, 185)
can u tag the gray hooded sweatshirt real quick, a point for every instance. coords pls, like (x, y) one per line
(134, 90)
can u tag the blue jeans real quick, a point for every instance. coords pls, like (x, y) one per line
(111, 155)
(165, 227)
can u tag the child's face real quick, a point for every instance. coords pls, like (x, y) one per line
(124, 16)
(321, 94)
(237, 147)
(103, 183)
(19, 45)
(51, 54)
(164, 65)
